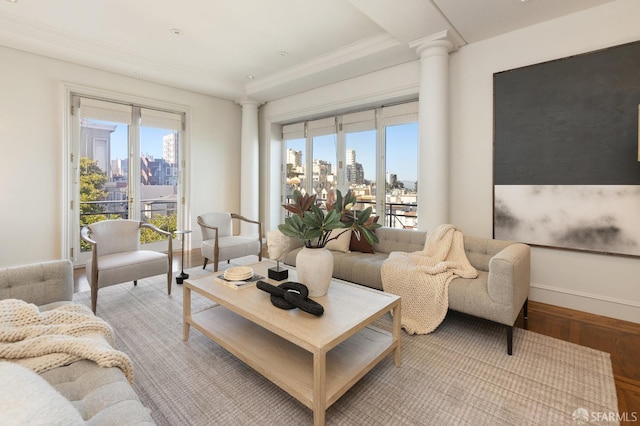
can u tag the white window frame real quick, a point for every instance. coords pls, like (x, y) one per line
(70, 157)
(402, 113)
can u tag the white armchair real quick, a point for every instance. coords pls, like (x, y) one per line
(117, 257)
(219, 243)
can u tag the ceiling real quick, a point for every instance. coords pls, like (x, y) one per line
(256, 49)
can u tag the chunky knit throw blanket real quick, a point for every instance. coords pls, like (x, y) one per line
(44, 340)
(422, 278)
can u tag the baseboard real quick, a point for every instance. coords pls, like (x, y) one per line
(626, 310)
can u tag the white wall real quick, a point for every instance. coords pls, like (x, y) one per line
(604, 285)
(383, 87)
(31, 144)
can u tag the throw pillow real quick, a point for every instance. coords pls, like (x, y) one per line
(27, 398)
(342, 242)
(362, 245)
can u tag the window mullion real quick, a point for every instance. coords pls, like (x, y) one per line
(134, 164)
(341, 157)
(308, 171)
(380, 168)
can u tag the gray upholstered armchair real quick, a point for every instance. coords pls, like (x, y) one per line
(117, 257)
(219, 243)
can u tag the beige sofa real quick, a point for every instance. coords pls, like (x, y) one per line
(101, 396)
(498, 294)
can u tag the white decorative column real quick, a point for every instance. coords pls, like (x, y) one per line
(433, 121)
(249, 163)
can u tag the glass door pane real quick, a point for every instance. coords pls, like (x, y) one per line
(401, 176)
(324, 171)
(296, 167)
(159, 172)
(361, 168)
(104, 188)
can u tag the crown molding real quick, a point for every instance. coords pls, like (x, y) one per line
(26, 35)
(350, 53)
(449, 39)
(33, 37)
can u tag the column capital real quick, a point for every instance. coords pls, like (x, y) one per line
(442, 40)
(249, 102)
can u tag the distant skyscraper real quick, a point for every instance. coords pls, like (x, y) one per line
(351, 157)
(117, 170)
(355, 171)
(294, 157)
(391, 178)
(170, 148)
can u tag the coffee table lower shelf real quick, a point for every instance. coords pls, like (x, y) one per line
(289, 366)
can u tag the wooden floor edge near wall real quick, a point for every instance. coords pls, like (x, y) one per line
(612, 323)
(619, 338)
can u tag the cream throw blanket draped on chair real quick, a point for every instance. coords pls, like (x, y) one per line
(41, 341)
(422, 278)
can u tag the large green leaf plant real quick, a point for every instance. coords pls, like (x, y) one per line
(310, 224)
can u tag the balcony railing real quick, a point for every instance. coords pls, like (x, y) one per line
(120, 210)
(397, 215)
(160, 213)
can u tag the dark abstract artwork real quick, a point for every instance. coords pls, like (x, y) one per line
(566, 169)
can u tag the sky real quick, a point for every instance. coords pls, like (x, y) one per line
(150, 141)
(402, 150)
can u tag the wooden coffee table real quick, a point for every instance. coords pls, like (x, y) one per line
(315, 359)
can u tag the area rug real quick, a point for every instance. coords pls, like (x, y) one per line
(459, 374)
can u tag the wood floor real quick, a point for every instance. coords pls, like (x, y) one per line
(619, 338)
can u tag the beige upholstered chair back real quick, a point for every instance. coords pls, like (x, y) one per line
(223, 245)
(116, 236)
(38, 283)
(221, 220)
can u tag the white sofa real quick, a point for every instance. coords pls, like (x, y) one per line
(101, 396)
(498, 294)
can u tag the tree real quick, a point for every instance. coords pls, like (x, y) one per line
(395, 184)
(92, 180)
(166, 222)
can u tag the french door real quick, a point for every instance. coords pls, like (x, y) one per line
(127, 166)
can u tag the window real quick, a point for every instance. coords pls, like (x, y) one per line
(373, 153)
(128, 166)
(400, 123)
(401, 176)
(361, 165)
(295, 160)
(324, 150)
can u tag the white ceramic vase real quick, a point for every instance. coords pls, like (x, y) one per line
(314, 267)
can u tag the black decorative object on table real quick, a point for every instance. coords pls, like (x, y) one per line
(291, 295)
(182, 275)
(277, 273)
